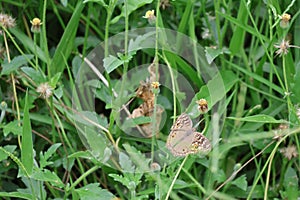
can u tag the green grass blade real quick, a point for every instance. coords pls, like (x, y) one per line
(66, 43)
(237, 40)
(245, 27)
(27, 145)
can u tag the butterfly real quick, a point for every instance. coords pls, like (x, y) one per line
(184, 140)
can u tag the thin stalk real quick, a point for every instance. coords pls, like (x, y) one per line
(35, 52)
(45, 44)
(83, 176)
(12, 76)
(175, 178)
(154, 125)
(287, 93)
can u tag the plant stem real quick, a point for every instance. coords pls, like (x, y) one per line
(175, 178)
(14, 86)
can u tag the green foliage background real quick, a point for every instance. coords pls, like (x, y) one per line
(44, 157)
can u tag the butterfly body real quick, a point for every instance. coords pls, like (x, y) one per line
(183, 139)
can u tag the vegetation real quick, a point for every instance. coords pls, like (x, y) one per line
(90, 91)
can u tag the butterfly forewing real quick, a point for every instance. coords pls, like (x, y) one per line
(180, 142)
(183, 122)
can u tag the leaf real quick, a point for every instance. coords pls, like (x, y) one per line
(212, 53)
(93, 191)
(28, 43)
(121, 179)
(245, 27)
(126, 163)
(27, 145)
(132, 122)
(213, 91)
(142, 120)
(35, 75)
(12, 127)
(66, 43)
(139, 159)
(259, 118)
(16, 62)
(17, 195)
(111, 63)
(53, 81)
(101, 2)
(295, 86)
(103, 93)
(256, 77)
(48, 176)
(132, 5)
(45, 156)
(9, 148)
(189, 71)
(140, 41)
(291, 183)
(241, 182)
(238, 39)
(64, 2)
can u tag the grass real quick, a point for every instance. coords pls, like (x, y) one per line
(67, 92)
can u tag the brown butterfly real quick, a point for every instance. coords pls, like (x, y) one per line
(184, 140)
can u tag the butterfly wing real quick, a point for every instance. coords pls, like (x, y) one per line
(180, 141)
(183, 122)
(181, 136)
(200, 143)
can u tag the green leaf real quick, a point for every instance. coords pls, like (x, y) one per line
(139, 159)
(48, 176)
(66, 43)
(257, 77)
(259, 118)
(121, 179)
(9, 148)
(35, 75)
(212, 53)
(291, 183)
(18, 195)
(245, 27)
(188, 70)
(27, 145)
(126, 163)
(93, 191)
(64, 2)
(101, 2)
(111, 63)
(238, 39)
(53, 81)
(12, 127)
(184, 22)
(16, 62)
(295, 86)
(213, 91)
(241, 182)
(132, 5)
(45, 156)
(29, 43)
